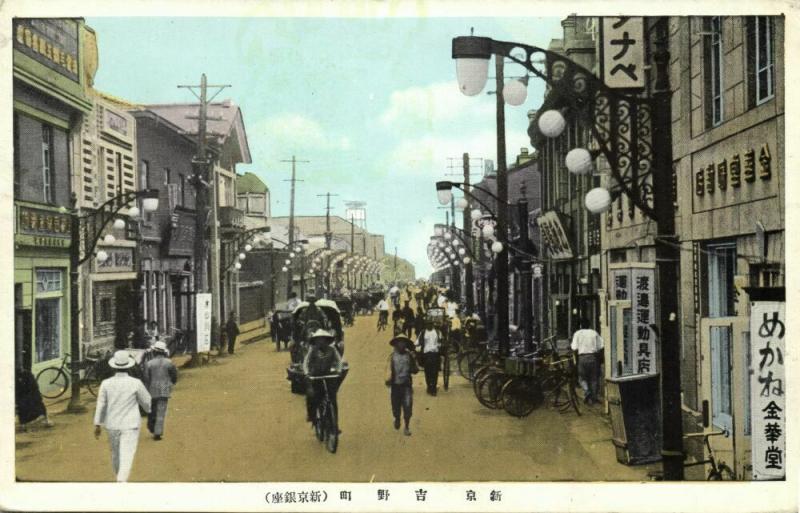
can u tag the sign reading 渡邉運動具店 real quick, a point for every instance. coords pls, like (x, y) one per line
(767, 396)
(203, 321)
(637, 285)
(623, 51)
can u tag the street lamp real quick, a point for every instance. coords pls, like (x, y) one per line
(633, 132)
(86, 230)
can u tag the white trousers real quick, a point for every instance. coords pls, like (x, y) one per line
(123, 448)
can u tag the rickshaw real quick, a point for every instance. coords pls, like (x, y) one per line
(306, 319)
(345, 306)
(363, 302)
(281, 325)
(442, 323)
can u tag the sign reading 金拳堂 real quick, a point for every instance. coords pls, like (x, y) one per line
(203, 321)
(767, 397)
(623, 51)
(637, 285)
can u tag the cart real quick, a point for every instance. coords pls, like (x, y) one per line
(306, 319)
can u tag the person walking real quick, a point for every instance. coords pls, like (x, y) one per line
(588, 344)
(231, 331)
(159, 376)
(402, 365)
(152, 334)
(419, 321)
(118, 403)
(429, 342)
(408, 319)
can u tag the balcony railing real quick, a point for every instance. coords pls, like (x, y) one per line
(231, 218)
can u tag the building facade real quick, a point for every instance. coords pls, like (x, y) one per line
(50, 76)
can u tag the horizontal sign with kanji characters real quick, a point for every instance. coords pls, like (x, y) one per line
(767, 393)
(623, 52)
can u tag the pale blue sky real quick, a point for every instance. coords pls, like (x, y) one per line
(372, 103)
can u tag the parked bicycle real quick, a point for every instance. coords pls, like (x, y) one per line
(55, 380)
(718, 472)
(325, 421)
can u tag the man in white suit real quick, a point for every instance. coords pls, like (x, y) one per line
(118, 403)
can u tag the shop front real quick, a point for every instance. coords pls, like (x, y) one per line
(110, 299)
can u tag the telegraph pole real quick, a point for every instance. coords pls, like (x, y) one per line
(328, 234)
(205, 185)
(467, 225)
(294, 162)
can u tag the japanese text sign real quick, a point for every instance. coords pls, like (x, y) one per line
(637, 285)
(203, 320)
(767, 397)
(623, 52)
(554, 235)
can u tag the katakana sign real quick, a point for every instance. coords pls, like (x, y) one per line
(767, 389)
(623, 52)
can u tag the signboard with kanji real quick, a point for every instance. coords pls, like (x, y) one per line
(637, 285)
(203, 322)
(623, 52)
(767, 396)
(554, 236)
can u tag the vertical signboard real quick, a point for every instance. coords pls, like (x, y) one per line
(623, 52)
(203, 322)
(767, 397)
(644, 315)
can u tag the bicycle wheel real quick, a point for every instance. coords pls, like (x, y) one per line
(319, 424)
(463, 363)
(332, 442)
(520, 396)
(489, 389)
(478, 376)
(53, 382)
(446, 371)
(722, 473)
(91, 380)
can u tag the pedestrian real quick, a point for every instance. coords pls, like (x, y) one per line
(152, 334)
(28, 399)
(159, 376)
(419, 321)
(402, 364)
(429, 343)
(408, 319)
(118, 403)
(588, 344)
(231, 331)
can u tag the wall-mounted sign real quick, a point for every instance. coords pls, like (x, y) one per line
(115, 122)
(119, 260)
(554, 236)
(623, 51)
(744, 167)
(43, 223)
(767, 395)
(180, 234)
(52, 42)
(203, 322)
(637, 285)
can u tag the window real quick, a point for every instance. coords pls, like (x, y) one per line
(167, 176)
(48, 281)
(101, 156)
(761, 59)
(144, 174)
(721, 270)
(48, 185)
(103, 310)
(721, 404)
(713, 71)
(182, 191)
(48, 329)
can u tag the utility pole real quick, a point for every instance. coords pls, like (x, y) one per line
(467, 226)
(294, 179)
(395, 264)
(328, 234)
(501, 269)
(204, 183)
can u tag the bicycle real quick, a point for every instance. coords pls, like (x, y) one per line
(54, 381)
(326, 425)
(718, 472)
(524, 393)
(383, 320)
(178, 343)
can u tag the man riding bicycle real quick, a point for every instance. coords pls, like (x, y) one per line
(383, 313)
(322, 359)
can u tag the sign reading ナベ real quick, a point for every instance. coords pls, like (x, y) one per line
(49, 41)
(767, 395)
(623, 52)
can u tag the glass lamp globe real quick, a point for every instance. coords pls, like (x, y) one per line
(440, 244)
(284, 269)
(475, 214)
(291, 255)
(150, 204)
(579, 161)
(102, 256)
(287, 262)
(109, 239)
(119, 224)
(444, 196)
(497, 247)
(472, 74)
(133, 211)
(488, 231)
(552, 123)
(462, 203)
(248, 247)
(448, 235)
(242, 256)
(456, 242)
(515, 92)
(597, 200)
(462, 251)
(467, 260)
(237, 266)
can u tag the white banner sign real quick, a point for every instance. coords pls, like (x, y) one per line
(203, 321)
(767, 397)
(623, 51)
(644, 315)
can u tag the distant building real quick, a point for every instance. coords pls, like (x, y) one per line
(253, 199)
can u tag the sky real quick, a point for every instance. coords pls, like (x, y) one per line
(372, 103)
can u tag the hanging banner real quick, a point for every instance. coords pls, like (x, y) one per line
(642, 289)
(767, 397)
(554, 236)
(203, 322)
(623, 51)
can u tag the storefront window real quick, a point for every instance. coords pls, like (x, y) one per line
(48, 281)
(48, 329)
(721, 377)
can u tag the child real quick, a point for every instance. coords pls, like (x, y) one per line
(402, 365)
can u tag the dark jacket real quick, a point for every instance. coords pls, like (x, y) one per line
(414, 368)
(231, 328)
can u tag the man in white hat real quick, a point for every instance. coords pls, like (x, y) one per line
(118, 402)
(159, 376)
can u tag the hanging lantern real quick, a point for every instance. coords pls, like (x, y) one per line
(552, 123)
(462, 251)
(284, 268)
(119, 224)
(579, 161)
(248, 247)
(598, 200)
(237, 266)
(515, 92)
(497, 247)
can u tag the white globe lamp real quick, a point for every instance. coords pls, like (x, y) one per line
(598, 200)
(237, 266)
(552, 123)
(462, 203)
(497, 247)
(488, 231)
(472, 73)
(515, 92)
(475, 214)
(119, 224)
(579, 161)
(102, 256)
(109, 239)
(133, 211)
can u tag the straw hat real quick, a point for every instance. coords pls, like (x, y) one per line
(161, 346)
(320, 333)
(121, 360)
(402, 338)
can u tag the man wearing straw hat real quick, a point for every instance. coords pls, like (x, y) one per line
(402, 365)
(118, 402)
(159, 376)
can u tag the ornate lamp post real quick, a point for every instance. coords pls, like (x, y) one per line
(86, 230)
(633, 133)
